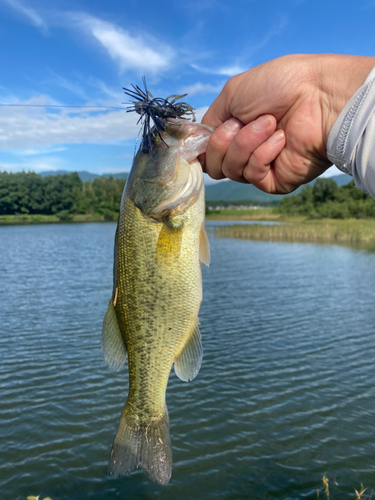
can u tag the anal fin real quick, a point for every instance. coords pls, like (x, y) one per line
(187, 364)
(113, 346)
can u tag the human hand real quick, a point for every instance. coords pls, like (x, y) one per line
(274, 120)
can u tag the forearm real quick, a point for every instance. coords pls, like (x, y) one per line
(351, 141)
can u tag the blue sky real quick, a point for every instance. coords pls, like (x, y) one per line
(79, 52)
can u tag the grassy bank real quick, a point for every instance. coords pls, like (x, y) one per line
(261, 214)
(355, 232)
(8, 220)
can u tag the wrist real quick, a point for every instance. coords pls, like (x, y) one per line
(339, 78)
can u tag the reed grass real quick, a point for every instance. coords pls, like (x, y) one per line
(355, 232)
(359, 494)
(260, 214)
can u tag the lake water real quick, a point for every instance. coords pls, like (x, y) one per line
(285, 394)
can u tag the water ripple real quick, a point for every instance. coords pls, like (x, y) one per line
(285, 392)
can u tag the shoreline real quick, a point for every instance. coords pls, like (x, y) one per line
(358, 233)
(27, 219)
(266, 214)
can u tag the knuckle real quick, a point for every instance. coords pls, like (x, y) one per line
(230, 87)
(215, 174)
(254, 166)
(232, 83)
(232, 173)
(247, 176)
(229, 170)
(248, 173)
(254, 173)
(257, 158)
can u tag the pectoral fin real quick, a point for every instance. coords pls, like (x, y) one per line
(169, 244)
(113, 347)
(204, 246)
(188, 363)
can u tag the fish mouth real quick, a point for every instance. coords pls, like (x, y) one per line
(172, 179)
(184, 183)
(190, 138)
(193, 142)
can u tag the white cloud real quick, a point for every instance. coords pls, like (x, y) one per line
(28, 12)
(200, 112)
(224, 71)
(201, 88)
(45, 166)
(37, 151)
(35, 131)
(231, 70)
(140, 53)
(30, 128)
(41, 100)
(114, 170)
(32, 166)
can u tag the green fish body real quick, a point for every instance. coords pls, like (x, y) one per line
(152, 317)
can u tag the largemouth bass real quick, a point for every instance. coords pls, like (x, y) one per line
(152, 316)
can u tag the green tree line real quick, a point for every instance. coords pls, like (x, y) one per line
(325, 199)
(61, 195)
(67, 195)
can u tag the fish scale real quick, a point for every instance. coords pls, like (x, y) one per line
(149, 305)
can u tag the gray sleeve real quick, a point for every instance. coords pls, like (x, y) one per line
(351, 142)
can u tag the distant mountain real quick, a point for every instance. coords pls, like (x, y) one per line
(342, 179)
(121, 175)
(219, 191)
(234, 191)
(85, 176)
(46, 173)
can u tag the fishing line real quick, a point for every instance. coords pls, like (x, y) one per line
(55, 106)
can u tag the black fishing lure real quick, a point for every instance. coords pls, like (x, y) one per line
(156, 109)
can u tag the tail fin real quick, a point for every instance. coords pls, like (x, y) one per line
(144, 444)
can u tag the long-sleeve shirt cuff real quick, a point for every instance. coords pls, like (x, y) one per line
(351, 142)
